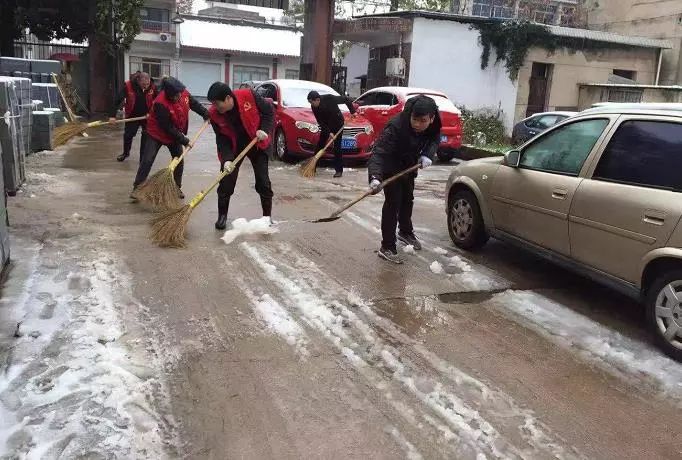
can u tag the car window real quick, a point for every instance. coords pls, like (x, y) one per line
(546, 121)
(444, 104)
(647, 153)
(267, 90)
(565, 149)
(531, 122)
(385, 99)
(367, 99)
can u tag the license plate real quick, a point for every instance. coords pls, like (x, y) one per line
(348, 143)
(443, 139)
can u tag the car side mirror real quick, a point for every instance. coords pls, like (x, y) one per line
(512, 158)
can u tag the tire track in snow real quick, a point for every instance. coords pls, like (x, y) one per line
(460, 426)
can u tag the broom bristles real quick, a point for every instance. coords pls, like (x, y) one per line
(168, 228)
(64, 133)
(160, 190)
(310, 167)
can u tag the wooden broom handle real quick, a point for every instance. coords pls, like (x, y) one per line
(95, 124)
(72, 117)
(329, 142)
(197, 199)
(370, 192)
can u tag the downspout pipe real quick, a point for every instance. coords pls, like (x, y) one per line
(658, 69)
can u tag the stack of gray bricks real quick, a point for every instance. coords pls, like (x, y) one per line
(43, 126)
(11, 136)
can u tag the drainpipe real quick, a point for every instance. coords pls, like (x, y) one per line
(658, 70)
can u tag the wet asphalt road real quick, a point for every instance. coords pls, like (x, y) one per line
(303, 344)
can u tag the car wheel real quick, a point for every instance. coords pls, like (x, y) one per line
(664, 312)
(281, 152)
(465, 222)
(445, 157)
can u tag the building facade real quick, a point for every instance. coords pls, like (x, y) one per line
(557, 12)
(221, 42)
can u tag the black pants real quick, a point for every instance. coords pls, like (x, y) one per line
(338, 157)
(259, 161)
(151, 149)
(129, 133)
(397, 211)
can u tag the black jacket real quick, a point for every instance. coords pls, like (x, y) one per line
(400, 147)
(328, 114)
(267, 122)
(173, 86)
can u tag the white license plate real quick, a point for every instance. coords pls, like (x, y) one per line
(443, 139)
(348, 143)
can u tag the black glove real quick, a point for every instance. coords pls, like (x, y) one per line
(185, 141)
(206, 116)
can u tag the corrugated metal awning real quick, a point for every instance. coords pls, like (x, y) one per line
(240, 38)
(608, 37)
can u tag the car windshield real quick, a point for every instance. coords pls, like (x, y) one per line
(442, 102)
(298, 97)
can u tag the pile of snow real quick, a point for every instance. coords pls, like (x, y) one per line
(241, 226)
(440, 251)
(409, 249)
(456, 261)
(437, 268)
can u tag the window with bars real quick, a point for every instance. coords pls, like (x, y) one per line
(156, 68)
(242, 73)
(155, 20)
(545, 14)
(291, 74)
(493, 8)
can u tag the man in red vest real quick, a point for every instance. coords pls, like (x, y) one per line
(138, 93)
(167, 125)
(237, 118)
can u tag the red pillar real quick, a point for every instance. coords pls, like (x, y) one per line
(316, 46)
(227, 69)
(275, 61)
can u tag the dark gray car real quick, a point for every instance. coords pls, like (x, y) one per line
(535, 124)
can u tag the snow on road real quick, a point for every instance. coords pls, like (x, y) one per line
(243, 227)
(71, 387)
(458, 415)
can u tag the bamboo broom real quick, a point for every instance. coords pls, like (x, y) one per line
(72, 117)
(160, 190)
(68, 131)
(309, 168)
(169, 228)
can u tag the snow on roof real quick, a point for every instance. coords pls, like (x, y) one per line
(269, 41)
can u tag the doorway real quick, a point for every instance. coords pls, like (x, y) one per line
(538, 94)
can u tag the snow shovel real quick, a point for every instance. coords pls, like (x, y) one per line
(337, 213)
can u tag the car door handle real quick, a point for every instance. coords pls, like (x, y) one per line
(654, 218)
(559, 194)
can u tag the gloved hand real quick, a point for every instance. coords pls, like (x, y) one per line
(229, 166)
(185, 141)
(261, 135)
(425, 162)
(375, 186)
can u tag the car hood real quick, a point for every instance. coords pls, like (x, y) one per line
(476, 169)
(305, 114)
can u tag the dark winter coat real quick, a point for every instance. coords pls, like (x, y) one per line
(328, 114)
(171, 87)
(399, 146)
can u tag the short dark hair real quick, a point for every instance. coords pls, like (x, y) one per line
(219, 92)
(313, 95)
(424, 106)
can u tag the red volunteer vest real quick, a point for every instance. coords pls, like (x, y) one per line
(248, 112)
(179, 112)
(131, 96)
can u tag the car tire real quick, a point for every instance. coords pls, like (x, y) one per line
(445, 157)
(280, 151)
(665, 315)
(465, 221)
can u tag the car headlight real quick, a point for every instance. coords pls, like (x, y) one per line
(369, 129)
(312, 127)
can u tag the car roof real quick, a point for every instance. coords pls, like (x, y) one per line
(407, 90)
(643, 108)
(311, 85)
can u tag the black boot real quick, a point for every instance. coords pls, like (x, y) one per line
(221, 223)
(266, 204)
(122, 157)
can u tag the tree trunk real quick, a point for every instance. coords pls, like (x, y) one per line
(8, 29)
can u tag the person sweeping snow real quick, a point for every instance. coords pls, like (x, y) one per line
(167, 126)
(409, 139)
(138, 93)
(329, 117)
(238, 117)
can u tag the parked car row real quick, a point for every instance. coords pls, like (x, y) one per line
(599, 193)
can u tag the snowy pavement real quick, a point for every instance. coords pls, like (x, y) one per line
(297, 341)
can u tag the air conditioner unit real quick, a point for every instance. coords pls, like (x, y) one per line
(164, 37)
(395, 67)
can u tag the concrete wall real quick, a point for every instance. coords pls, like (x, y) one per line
(589, 95)
(572, 68)
(644, 18)
(356, 63)
(446, 56)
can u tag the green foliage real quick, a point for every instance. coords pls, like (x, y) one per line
(125, 17)
(511, 41)
(487, 122)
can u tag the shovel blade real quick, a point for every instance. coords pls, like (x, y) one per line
(325, 219)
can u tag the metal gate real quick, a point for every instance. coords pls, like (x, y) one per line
(339, 74)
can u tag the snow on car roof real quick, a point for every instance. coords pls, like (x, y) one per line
(406, 90)
(312, 85)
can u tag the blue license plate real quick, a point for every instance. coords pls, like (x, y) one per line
(349, 143)
(443, 139)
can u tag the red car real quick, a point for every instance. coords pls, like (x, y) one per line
(379, 105)
(297, 132)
